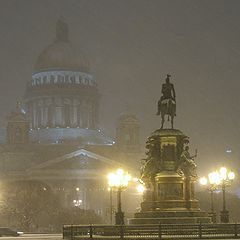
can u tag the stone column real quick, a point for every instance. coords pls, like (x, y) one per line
(34, 115)
(75, 120)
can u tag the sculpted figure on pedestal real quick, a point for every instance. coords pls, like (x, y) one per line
(167, 102)
(149, 169)
(151, 164)
(187, 164)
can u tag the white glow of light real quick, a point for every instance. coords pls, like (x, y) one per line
(214, 178)
(223, 173)
(203, 181)
(77, 203)
(77, 189)
(140, 188)
(120, 172)
(228, 151)
(135, 179)
(231, 175)
(118, 179)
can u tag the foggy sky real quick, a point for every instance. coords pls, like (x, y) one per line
(132, 45)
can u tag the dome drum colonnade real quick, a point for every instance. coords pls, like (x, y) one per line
(62, 92)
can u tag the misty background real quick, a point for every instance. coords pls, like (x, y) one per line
(131, 46)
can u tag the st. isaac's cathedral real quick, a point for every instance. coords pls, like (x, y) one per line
(53, 136)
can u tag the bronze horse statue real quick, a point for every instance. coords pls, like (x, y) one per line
(167, 107)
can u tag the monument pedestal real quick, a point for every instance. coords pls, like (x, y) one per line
(169, 180)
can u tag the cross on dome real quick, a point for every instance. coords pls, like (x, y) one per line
(61, 30)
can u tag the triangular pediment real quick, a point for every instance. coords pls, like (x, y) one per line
(77, 160)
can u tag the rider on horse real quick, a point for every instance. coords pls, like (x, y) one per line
(168, 97)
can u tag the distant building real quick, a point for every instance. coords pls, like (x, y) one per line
(56, 138)
(62, 92)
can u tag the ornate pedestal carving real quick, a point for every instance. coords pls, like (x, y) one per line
(169, 174)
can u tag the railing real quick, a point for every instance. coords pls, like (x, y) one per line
(161, 231)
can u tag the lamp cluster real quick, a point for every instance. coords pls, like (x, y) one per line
(119, 179)
(218, 179)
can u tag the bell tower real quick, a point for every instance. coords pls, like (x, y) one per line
(17, 127)
(127, 135)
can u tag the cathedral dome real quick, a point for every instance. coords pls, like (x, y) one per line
(62, 93)
(60, 55)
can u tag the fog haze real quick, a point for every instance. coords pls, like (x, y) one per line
(132, 45)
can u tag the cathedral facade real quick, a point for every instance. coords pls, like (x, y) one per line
(54, 137)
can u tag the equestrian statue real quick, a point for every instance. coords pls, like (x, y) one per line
(167, 102)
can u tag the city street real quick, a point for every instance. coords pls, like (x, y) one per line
(36, 236)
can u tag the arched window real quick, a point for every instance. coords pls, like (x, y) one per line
(52, 78)
(44, 79)
(72, 79)
(66, 79)
(80, 79)
(60, 79)
(38, 81)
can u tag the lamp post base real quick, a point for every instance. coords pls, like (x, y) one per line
(119, 218)
(213, 216)
(224, 216)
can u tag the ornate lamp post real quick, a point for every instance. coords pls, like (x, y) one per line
(212, 183)
(119, 181)
(226, 178)
(110, 203)
(223, 178)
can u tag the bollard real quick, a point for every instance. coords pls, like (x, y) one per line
(71, 232)
(200, 230)
(64, 233)
(121, 232)
(90, 231)
(160, 231)
(235, 231)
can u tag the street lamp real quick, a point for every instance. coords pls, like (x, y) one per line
(111, 203)
(211, 183)
(119, 181)
(223, 177)
(226, 178)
